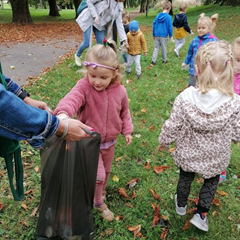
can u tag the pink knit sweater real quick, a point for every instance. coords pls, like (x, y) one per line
(107, 111)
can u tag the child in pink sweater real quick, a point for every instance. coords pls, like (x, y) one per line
(100, 101)
(236, 83)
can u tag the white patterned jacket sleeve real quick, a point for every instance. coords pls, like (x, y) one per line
(171, 127)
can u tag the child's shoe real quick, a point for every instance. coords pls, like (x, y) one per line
(152, 64)
(223, 177)
(78, 60)
(106, 213)
(176, 52)
(164, 61)
(104, 194)
(200, 223)
(180, 210)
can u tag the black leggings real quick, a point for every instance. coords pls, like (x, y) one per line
(206, 194)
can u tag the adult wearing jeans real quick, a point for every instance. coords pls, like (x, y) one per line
(19, 120)
(98, 17)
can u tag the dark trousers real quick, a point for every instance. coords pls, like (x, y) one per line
(206, 194)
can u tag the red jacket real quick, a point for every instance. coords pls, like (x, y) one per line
(106, 111)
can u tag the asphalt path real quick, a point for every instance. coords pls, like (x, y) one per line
(24, 61)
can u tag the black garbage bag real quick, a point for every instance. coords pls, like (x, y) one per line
(68, 179)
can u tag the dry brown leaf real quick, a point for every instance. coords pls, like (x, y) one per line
(156, 216)
(129, 205)
(172, 149)
(143, 110)
(1, 173)
(147, 165)
(195, 200)
(134, 195)
(133, 180)
(152, 128)
(122, 192)
(108, 232)
(161, 148)
(216, 202)
(159, 169)
(25, 223)
(118, 218)
(34, 211)
(144, 120)
(164, 233)
(153, 206)
(200, 180)
(118, 159)
(230, 218)
(192, 210)
(214, 214)
(1, 206)
(135, 229)
(29, 192)
(36, 169)
(24, 206)
(187, 225)
(155, 195)
(222, 193)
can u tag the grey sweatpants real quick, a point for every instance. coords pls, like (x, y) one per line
(179, 43)
(131, 60)
(160, 42)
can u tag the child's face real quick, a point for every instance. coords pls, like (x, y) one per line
(99, 77)
(133, 32)
(125, 20)
(236, 59)
(203, 29)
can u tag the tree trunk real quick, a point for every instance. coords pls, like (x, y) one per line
(2, 4)
(76, 4)
(171, 12)
(53, 9)
(20, 12)
(143, 6)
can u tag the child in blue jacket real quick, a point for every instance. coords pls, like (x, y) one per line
(162, 28)
(204, 30)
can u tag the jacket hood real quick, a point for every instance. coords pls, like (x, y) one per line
(162, 16)
(179, 17)
(210, 111)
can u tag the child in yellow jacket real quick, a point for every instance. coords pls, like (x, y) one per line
(136, 42)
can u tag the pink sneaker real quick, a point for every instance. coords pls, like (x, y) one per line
(223, 177)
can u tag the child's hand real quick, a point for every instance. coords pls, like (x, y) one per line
(128, 139)
(145, 54)
(172, 40)
(184, 66)
(161, 148)
(191, 33)
(153, 38)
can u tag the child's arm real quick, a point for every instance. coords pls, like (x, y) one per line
(185, 25)
(171, 127)
(189, 54)
(143, 44)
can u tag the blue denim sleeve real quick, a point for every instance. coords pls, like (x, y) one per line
(20, 121)
(12, 86)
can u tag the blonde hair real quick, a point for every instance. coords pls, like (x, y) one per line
(106, 55)
(209, 21)
(183, 7)
(214, 61)
(125, 16)
(167, 5)
(236, 43)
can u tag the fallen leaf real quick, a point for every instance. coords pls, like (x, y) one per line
(108, 232)
(34, 211)
(118, 218)
(135, 229)
(122, 192)
(139, 161)
(1, 206)
(222, 193)
(216, 202)
(143, 110)
(135, 180)
(156, 216)
(24, 206)
(187, 225)
(129, 205)
(172, 149)
(1, 173)
(230, 218)
(115, 178)
(152, 128)
(25, 223)
(195, 200)
(134, 195)
(159, 169)
(192, 210)
(29, 192)
(147, 165)
(161, 148)
(118, 159)
(200, 180)
(164, 233)
(155, 195)
(214, 214)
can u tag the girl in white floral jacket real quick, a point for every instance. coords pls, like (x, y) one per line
(203, 123)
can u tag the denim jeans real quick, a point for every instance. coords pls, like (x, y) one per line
(20, 121)
(86, 39)
(125, 57)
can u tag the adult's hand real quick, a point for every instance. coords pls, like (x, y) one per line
(75, 130)
(38, 104)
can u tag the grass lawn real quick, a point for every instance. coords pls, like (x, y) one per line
(151, 99)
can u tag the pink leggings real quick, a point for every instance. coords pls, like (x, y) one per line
(104, 168)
